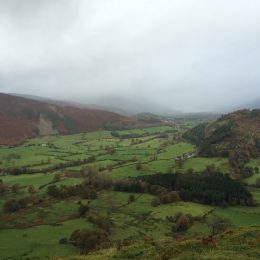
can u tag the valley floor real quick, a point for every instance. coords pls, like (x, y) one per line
(35, 232)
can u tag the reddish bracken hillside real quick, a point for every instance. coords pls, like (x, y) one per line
(22, 118)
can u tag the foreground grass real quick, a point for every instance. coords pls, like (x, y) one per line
(40, 242)
(240, 244)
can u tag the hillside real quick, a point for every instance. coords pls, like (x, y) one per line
(235, 135)
(22, 118)
(65, 195)
(226, 246)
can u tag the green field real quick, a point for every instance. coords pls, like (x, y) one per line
(40, 242)
(35, 232)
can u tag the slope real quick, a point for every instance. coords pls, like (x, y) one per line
(22, 118)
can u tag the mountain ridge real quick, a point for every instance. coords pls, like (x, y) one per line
(22, 118)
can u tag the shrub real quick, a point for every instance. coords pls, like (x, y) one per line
(139, 166)
(219, 225)
(83, 209)
(57, 177)
(257, 182)
(15, 188)
(63, 241)
(13, 205)
(87, 240)
(102, 222)
(3, 188)
(89, 170)
(131, 198)
(169, 197)
(31, 189)
(155, 202)
(183, 223)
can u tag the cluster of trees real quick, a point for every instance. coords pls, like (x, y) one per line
(163, 135)
(257, 182)
(257, 144)
(196, 135)
(59, 166)
(182, 222)
(246, 172)
(18, 170)
(131, 185)
(136, 141)
(102, 222)
(110, 150)
(128, 135)
(212, 188)
(13, 188)
(238, 158)
(219, 225)
(139, 166)
(3, 187)
(163, 196)
(62, 192)
(92, 177)
(88, 240)
(93, 182)
(135, 135)
(131, 199)
(13, 205)
(83, 209)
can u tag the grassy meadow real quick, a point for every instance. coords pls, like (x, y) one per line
(35, 232)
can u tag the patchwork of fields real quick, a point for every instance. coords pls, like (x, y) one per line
(38, 229)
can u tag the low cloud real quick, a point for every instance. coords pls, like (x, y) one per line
(184, 54)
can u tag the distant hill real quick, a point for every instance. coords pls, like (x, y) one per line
(130, 106)
(149, 118)
(113, 103)
(236, 135)
(22, 118)
(254, 104)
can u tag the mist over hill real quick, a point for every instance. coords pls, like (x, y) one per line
(114, 103)
(255, 104)
(131, 106)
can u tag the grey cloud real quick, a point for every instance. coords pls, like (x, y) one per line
(185, 54)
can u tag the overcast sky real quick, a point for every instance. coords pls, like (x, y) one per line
(185, 54)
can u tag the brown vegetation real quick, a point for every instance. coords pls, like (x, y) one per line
(27, 114)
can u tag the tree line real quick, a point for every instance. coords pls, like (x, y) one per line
(213, 188)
